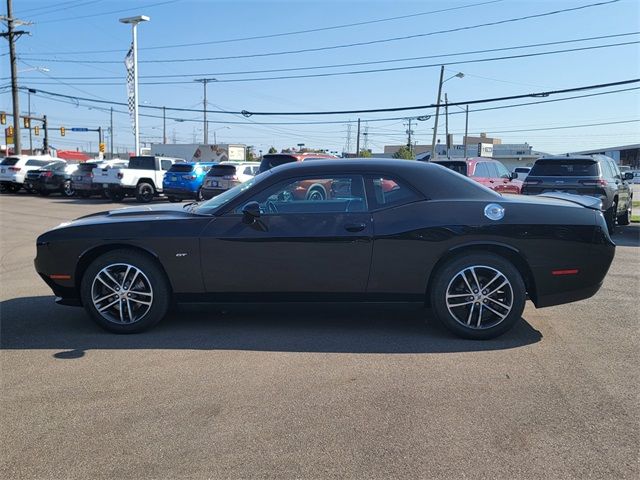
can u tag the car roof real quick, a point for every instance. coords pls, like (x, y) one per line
(572, 157)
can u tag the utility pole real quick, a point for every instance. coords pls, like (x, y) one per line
(164, 125)
(111, 133)
(435, 128)
(11, 34)
(204, 82)
(409, 132)
(347, 146)
(30, 137)
(358, 140)
(45, 142)
(446, 121)
(466, 129)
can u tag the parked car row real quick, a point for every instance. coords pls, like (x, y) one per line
(146, 177)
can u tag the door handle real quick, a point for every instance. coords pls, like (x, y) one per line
(355, 227)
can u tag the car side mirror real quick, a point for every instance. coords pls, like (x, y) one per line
(628, 176)
(250, 212)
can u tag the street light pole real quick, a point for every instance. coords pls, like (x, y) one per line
(434, 153)
(134, 21)
(466, 129)
(30, 137)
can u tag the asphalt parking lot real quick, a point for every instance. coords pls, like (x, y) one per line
(300, 392)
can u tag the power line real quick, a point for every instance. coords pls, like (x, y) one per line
(373, 70)
(353, 64)
(364, 43)
(283, 34)
(346, 112)
(56, 20)
(57, 7)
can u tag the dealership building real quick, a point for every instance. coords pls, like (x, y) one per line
(623, 155)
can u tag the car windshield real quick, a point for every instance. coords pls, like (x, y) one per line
(564, 168)
(9, 161)
(213, 204)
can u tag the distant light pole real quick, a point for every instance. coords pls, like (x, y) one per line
(300, 145)
(434, 153)
(205, 127)
(134, 21)
(215, 139)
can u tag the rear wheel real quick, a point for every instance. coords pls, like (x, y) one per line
(316, 194)
(114, 195)
(67, 189)
(625, 218)
(125, 291)
(13, 188)
(145, 192)
(173, 199)
(478, 296)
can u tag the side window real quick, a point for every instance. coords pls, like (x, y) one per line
(502, 171)
(165, 164)
(331, 194)
(389, 192)
(606, 169)
(493, 170)
(481, 170)
(615, 170)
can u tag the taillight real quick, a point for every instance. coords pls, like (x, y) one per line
(532, 182)
(120, 175)
(14, 169)
(594, 183)
(190, 177)
(46, 174)
(230, 177)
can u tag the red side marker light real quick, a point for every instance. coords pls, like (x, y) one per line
(57, 276)
(572, 271)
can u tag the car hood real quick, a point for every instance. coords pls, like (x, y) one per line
(128, 214)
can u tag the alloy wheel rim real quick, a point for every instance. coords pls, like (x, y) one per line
(68, 189)
(315, 195)
(147, 193)
(479, 297)
(122, 293)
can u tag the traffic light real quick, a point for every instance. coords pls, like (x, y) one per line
(36, 130)
(10, 131)
(102, 148)
(27, 122)
(62, 131)
(3, 118)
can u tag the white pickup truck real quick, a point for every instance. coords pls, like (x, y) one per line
(142, 178)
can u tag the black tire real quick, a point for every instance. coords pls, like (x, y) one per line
(13, 188)
(114, 196)
(173, 199)
(67, 189)
(152, 275)
(199, 196)
(316, 193)
(145, 192)
(625, 218)
(486, 265)
(610, 217)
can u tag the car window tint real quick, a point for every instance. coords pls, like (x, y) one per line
(331, 194)
(565, 168)
(481, 170)
(614, 169)
(37, 163)
(502, 170)
(9, 161)
(493, 169)
(166, 164)
(389, 192)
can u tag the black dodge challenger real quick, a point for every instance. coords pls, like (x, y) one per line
(361, 230)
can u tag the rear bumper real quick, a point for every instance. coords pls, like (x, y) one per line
(179, 193)
(87, 187)
(208, 193)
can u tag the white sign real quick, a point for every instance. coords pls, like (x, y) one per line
(485, 150)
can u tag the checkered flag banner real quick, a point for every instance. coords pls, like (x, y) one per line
(128, 62)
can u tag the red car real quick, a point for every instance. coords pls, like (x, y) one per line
(490, 173)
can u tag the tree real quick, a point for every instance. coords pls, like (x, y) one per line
(273, 150)
(365, 154)
(404, 153)
(250, 155)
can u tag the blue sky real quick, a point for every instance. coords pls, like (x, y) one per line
(63, 30)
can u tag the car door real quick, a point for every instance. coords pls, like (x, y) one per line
(504, 180)
(296, 245)
(623, 187)
(481, 175)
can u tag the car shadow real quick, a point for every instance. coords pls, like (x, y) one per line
(627, 236)
(36, 323)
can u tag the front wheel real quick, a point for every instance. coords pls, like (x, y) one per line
(625, 218)
(478, 296)
(67, 189)
(145, 192)
(125, 291)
